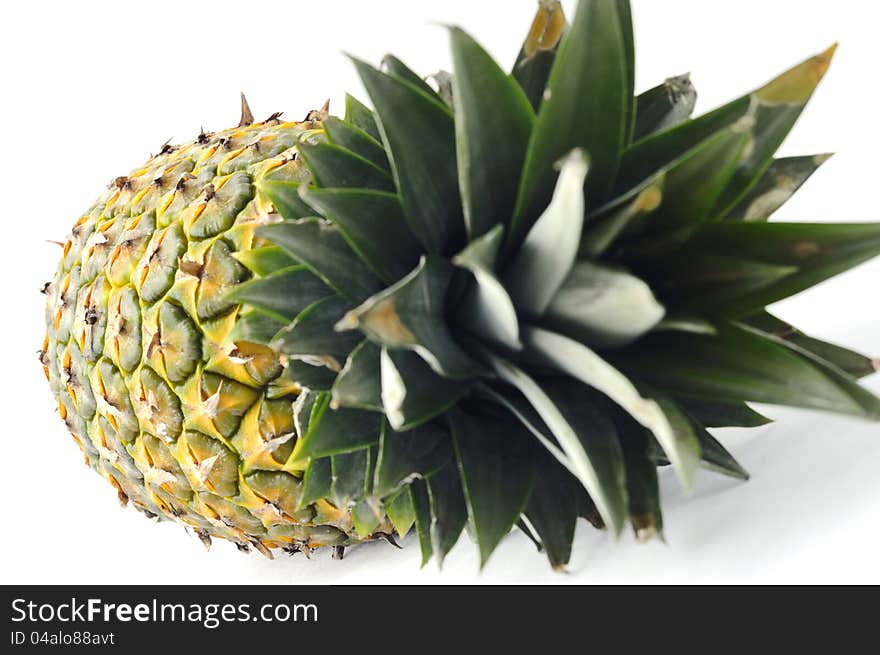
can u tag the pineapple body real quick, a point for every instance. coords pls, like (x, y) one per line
(185, 417)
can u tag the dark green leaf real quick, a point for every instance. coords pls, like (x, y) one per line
(322, 248)
(284, 195)
(818, 251)
(538, 53)
(418, 131)
(360, 116)
(350, 474)
(853, 363)
(587, 106)
(312, 333)
(317, 481)
(715, 457)
(583, 434)
(552, 510)
(266, 260)
(412, 393)
(776, 108)
(642, 485)
(622, 214)
(401, 512)
(337, 431)
(421, 503)
(487, 309)
(318, 378)
(396, 68)
(664, 106)
(448, 509)
(624, 11)
(335, 167)
(781, 181)
(283, 295)
(359, 384)
(723, 415)
(373, 225)
(490, 152)
(352, 138)
(496, 472)
(419, 452)
(581, 363)
(255, 327)
(738, 365)
(410, 316)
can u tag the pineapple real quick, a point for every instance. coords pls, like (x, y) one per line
(500, 303)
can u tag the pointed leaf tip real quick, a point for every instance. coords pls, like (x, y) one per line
(247, 118)
(797, 85)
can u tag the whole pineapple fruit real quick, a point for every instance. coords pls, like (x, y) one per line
(504, 301)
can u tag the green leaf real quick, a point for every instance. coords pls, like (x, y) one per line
(715, 457)
(306, 374)
(358, 385)
(782, 180)
(410, 316)
(419, 452)
(487, 309)
(738, 365)
(776, 108)
(578, 361)
(312, 333)
(818, 251)
(620, 215)
(448, 510)
(651, 155)
(710, 283)
(336, 431)
(552, 511)
(322, 248)
(255, 327)
(366, 517)
(283, 295)
(352, 138)
(317, 482)
(418, 131)
(422, 508)
(853, 363)
(360, 116)
(664, 106)
(490, 152)
(335, 167)
(723, 415)
(538, 53)
(266, 260)
(372, 223)
(693, 184)
(391, 65)
(284, 195)
(496, 472)
(350, 473)
(546, 257)
(587, 106)
(624, 12)
(643, 489)
(603, 307)
(586, 438)
(401, 512)
(518, 406)
(412, 393)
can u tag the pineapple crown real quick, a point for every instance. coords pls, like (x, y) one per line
(511, 298)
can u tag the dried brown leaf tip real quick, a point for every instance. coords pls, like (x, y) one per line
(247, 118)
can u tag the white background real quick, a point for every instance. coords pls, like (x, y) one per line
(91, 88)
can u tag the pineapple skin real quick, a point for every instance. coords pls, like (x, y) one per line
(185, 419)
